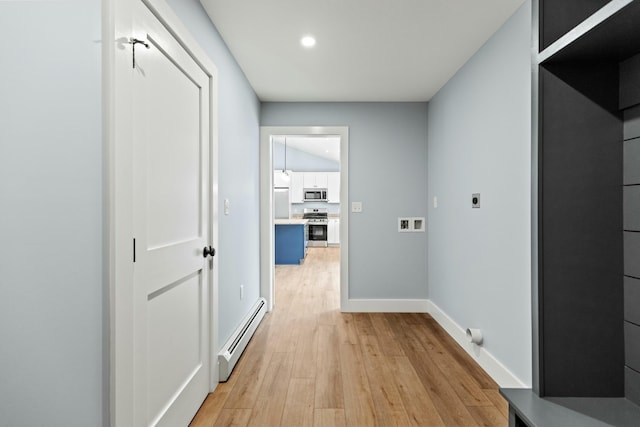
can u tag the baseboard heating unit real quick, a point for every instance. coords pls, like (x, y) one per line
(233, 348)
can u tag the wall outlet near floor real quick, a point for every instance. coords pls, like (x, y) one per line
(356, 207)
(241, 292)
(435, 202)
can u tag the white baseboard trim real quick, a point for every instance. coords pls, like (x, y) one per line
(385, 306)
(486, 360)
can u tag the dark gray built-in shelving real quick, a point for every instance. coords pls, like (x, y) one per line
(529, 410)
(580, 239)
(630, 81)
(586, 162)
(555, 22)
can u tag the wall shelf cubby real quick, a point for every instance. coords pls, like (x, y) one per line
(586, 201)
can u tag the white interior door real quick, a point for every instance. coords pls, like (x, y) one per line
(171, 219)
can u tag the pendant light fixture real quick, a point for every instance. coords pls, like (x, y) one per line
(285, 174)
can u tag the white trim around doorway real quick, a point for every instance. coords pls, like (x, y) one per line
(267, 252)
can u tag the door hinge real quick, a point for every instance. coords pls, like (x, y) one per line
(134, 250)
(134, 42)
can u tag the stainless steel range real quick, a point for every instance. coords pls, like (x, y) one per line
(318, 222)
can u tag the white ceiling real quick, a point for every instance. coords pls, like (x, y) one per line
(367, 50)
(327, 147)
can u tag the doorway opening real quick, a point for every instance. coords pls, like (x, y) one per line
(329, 186)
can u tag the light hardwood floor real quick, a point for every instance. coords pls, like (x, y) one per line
(310, 365)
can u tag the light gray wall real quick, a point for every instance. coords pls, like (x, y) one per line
(52, 356)
(387, 173)
(238, 138)
(480, 142)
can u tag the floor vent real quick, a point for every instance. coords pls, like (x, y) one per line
(234, 347)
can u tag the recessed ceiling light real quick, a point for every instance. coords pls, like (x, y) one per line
(308, 41)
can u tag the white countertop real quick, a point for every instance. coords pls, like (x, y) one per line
(291, 221)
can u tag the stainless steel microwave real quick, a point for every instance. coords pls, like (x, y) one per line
(315, 194)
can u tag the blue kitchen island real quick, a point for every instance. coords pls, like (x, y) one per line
(291, 236)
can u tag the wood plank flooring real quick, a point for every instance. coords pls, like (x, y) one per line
(310, 365)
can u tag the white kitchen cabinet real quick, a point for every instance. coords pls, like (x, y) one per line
(296, 187)
(333, 232)
(279, 181)
(315, 180)
(333, 187)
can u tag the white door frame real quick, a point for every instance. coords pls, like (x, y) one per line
(267, 252)
(118, 178)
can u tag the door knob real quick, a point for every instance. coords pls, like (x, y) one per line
(208, 251)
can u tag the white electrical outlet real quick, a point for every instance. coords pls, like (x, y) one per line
(435, 202)
(227, 206)
(241, 291)
(356, 207)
